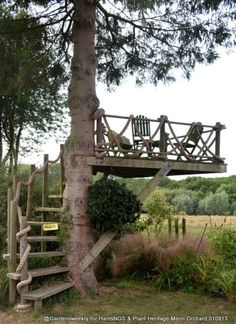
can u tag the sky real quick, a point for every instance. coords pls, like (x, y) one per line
(209, 97)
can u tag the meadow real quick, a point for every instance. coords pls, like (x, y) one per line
(195, 224)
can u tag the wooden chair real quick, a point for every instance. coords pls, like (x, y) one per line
(141, 131)
(191, 140)
(123, 141)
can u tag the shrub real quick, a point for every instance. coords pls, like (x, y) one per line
(226, 282)
(159, 210)
(177, 264)
(223, 241)
(111, 205)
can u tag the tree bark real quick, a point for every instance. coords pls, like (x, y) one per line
(80, 144)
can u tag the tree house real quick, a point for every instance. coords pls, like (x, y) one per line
(141, 147)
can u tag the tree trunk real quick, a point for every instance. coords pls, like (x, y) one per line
(82, 103)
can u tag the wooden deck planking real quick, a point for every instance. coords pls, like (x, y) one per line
(46, 292)
(39, 272)
(125, 167)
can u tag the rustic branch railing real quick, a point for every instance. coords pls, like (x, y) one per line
(168, 140)
(14, 218)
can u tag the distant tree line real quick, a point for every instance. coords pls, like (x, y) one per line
(195, 195)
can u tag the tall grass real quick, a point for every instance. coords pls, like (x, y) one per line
(166, 261)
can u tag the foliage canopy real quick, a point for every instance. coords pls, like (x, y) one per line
(149, 38)
(30, 81)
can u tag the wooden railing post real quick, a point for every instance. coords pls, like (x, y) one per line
(44, 197)
(12, 250)
(29, 209)
(14, 184)
(9, 198)
(99, 131)
(218, 128)
(62, 171)
(163, 144)
(23, 246)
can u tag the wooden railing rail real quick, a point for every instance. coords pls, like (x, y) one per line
(167, 139)
(18, 222)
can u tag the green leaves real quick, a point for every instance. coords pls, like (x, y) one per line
(30, 80)
(167, 36)
(111, 205)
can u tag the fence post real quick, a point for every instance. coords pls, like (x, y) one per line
(29, 209)
(183, 227)
(169, 226)
(177, 228)
(12, 250)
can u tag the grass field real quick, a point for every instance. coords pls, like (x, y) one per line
(135, 303)
(195, 224)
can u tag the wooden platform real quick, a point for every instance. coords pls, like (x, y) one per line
(128, 168)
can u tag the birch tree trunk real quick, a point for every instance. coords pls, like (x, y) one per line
(82, 103)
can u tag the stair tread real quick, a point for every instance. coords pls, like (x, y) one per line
(42, 238)
(55, 196)
(48, 209)
(36, 223)
(45, 292)
(39, 272)
(37, 254)
(45, 254)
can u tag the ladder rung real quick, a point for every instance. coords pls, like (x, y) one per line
(48, 209)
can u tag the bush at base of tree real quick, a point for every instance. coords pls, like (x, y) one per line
(111, 205)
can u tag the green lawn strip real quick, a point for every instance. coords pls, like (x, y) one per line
(139, 301)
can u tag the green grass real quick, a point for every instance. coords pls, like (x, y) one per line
(133, 299)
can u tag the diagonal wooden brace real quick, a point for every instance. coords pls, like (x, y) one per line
(107, 237)
(151, 186)
(98, 247)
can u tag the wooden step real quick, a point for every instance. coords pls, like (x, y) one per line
(55, 196)
(38, 254)
(45, 292)
(48, 209)
(35, 223)
(39, 272)
(42, 238)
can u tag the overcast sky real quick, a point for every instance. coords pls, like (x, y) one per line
(209, 97)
